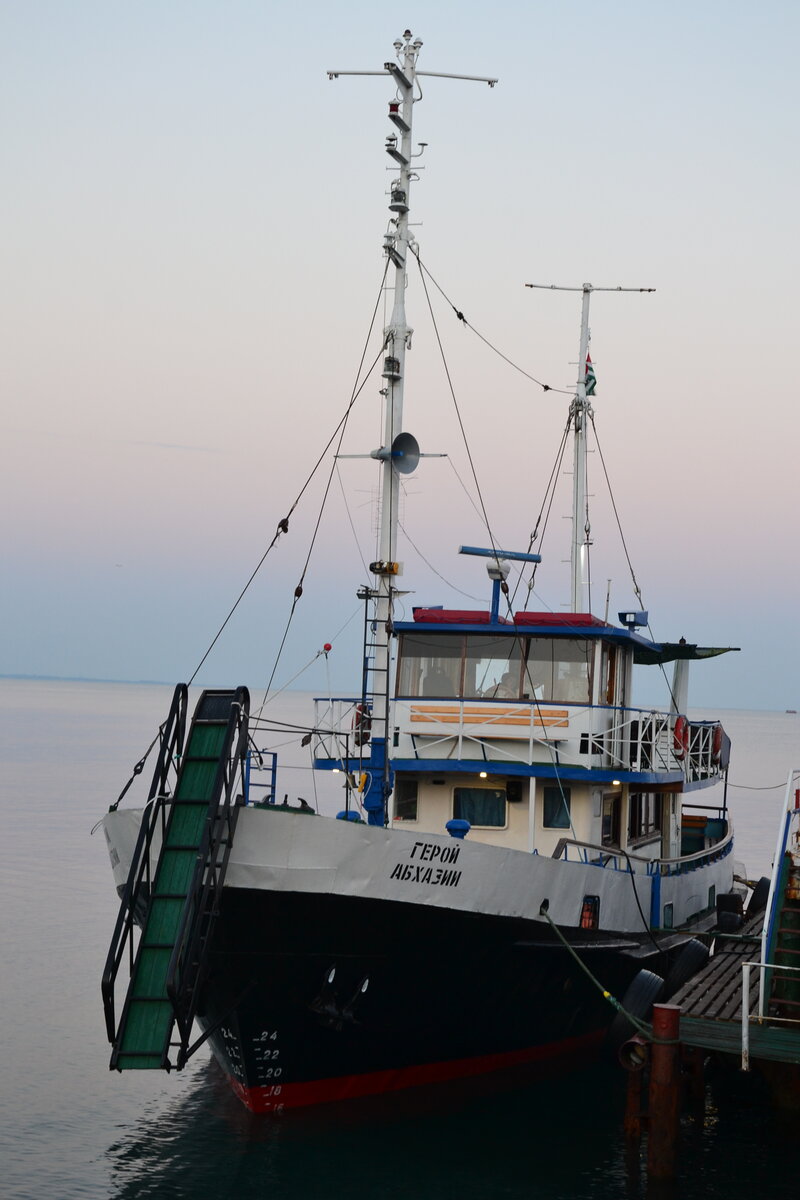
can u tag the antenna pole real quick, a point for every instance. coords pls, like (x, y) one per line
(580, 413)
(397, 339)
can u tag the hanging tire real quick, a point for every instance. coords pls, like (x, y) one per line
(759, 896)
(641, 994)
(690, 959)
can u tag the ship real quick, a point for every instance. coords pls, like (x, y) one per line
(520, 859)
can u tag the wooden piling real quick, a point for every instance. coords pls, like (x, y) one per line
(632, 1124)
(665, 1092)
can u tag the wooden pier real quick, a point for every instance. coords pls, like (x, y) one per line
(711, 1004)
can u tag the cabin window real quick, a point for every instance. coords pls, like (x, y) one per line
(430, 665)
(556, 807)
(668, 916)
(492, 668)
(405, 799)
(558, 669)
(482, 807)
(644, 815)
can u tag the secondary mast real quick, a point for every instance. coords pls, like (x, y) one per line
(397, 340)
(581, 413)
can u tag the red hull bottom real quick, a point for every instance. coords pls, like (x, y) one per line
(278, 1097)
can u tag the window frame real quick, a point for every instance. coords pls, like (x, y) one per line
(477, 788)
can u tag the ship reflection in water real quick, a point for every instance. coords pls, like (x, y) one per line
(559, 1140)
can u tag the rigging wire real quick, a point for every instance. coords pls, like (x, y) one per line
(341, 429)
(484, 514)
(415, 547)
(283, 524)
(548, 741)
(636, 589)
(350, 519)
(546, 387)
(463, 485)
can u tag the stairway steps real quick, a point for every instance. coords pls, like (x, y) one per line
(193, 822)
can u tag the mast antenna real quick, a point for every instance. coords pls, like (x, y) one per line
(580, 412)
(397, 339)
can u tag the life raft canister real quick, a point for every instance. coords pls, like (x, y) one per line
(680, 738)
(362, 725)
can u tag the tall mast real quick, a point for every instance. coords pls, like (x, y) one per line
(397, 340)
(581, 413)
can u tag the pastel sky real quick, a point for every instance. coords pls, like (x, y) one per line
(191, 252)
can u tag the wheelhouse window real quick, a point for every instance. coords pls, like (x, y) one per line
(484, 808)
(556, 807)
(492, 668)
(481, 667)
(558, 669)
(430, 665)
(644, 815)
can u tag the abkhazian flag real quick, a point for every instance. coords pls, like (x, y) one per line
(591, 380)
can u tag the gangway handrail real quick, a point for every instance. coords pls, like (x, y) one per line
(185, 971)
(173, 735)
(790, 809)
(759, 1016)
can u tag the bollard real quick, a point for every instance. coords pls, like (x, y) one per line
(665, 1092)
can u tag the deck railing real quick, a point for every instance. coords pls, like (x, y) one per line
(624, 739)
(747, 1016)
(787, 848)
(573, 850)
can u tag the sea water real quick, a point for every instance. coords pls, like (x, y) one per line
(70, 1128)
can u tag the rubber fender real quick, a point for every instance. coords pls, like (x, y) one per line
(690, 959)
(729, 922)
(730, 902)
(759, 896)
(641, 994)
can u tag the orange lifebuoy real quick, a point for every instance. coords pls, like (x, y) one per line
(680, 738)
(362, 725)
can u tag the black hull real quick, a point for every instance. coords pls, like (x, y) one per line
(313, 998)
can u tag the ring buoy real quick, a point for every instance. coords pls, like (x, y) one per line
(680, 738)
(716, 744)
(362, 725)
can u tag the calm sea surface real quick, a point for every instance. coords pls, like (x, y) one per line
(70, 1128)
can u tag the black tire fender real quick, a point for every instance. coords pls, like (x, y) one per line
(690, 959)
(641, 994)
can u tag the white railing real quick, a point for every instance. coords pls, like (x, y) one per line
(793, 1022)
(573, 850)
(788, 834)
(625, 739)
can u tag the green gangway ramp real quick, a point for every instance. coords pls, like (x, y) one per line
(143, 1039)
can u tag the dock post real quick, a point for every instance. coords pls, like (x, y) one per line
(665, 1092)
(694, 1065)
(632, 1124)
